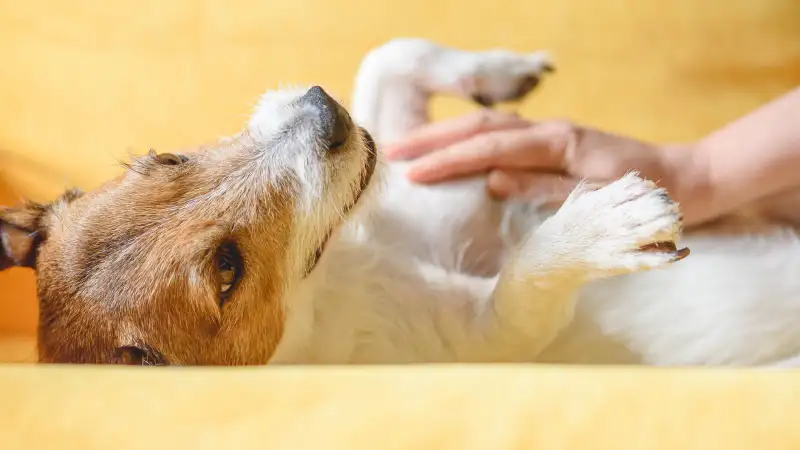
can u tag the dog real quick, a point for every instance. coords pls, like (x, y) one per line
(292, 242)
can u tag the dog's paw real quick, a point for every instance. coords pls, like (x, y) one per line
(626, 226)
(501, 75)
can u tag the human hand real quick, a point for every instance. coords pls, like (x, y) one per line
(533, 159)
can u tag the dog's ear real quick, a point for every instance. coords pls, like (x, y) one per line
(21, 233)
(23, 229)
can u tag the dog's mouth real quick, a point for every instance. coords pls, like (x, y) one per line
(366, 177)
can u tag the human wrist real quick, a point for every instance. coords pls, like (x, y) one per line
(686, 177)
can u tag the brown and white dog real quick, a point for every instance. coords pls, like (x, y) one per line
(292, 243)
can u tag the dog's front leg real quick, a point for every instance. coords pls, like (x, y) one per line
(627, 226)
(396, 80)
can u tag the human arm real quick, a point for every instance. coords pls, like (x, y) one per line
(753, 157)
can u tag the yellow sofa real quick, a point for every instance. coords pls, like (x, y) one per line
(464, 408)
(85, 83)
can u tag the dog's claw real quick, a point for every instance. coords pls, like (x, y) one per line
(680, 254)
(667, 247)
(483, 101)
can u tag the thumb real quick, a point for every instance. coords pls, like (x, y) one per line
(526, 184)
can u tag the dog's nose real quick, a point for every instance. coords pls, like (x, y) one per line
(336, 122)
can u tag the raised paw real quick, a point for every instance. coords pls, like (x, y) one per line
(502, 75)
(626, 226)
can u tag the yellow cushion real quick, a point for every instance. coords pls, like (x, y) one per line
(445, 407)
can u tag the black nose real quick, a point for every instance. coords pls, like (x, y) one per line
(336, 122)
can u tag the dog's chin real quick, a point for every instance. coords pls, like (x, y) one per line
(366, 177)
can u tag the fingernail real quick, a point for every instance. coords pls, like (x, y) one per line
(421, 174)
(497, 195)
(413, 173)
(502, 184)
(394, 153)
(389, 151)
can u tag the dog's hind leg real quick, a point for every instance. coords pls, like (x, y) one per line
(392, 90)
(396, 80)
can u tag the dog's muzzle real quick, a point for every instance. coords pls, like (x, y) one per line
(336, 122)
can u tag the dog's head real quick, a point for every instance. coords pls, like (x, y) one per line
(186, 258)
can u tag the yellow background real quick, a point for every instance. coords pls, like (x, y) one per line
(85, 83)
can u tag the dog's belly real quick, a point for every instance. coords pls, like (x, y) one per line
(454, 225)
(734, 301)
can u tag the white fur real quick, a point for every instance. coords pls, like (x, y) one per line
(413, 275)
(288, 132)
(370, 303)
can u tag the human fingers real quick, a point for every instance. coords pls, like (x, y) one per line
(525, 148)
(544, 187)
(441, 134)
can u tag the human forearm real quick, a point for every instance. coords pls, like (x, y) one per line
(751, 158)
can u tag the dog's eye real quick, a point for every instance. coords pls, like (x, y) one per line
(170, 159)
(139, 356)
(229, 267)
